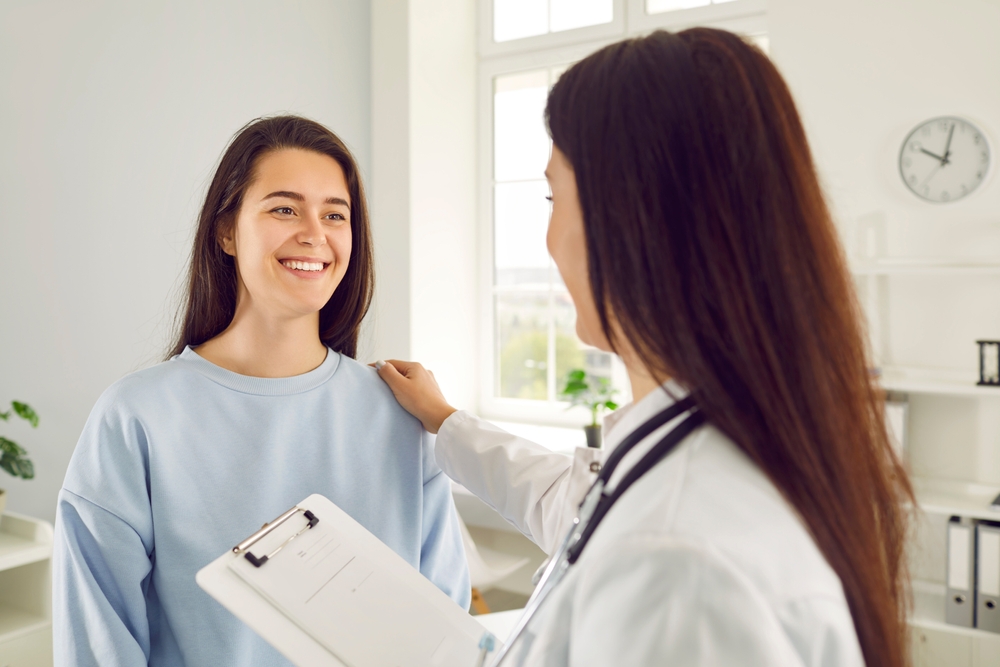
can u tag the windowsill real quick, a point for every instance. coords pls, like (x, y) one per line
(557, 438)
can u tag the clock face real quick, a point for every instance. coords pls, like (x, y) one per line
(944, 159)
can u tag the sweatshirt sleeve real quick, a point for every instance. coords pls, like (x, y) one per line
(442, 554)
(103, 552)
(535, 489)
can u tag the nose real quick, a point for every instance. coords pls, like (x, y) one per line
(312, 233)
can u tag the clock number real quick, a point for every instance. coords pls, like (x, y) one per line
(945, 196)
(984, 156)
(975, 139)
(979, 175)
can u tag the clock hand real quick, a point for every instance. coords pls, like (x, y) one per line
(933, 171)
(947, 146)
(943, 160)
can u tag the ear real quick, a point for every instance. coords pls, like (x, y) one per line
(226, 237)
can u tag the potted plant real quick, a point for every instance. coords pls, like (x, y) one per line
(12, 455)
(594, 393)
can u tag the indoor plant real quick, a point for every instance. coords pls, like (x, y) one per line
(593, 392)
(12, 455)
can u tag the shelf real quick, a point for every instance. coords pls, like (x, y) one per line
(887, 267)
(928, 612)
(16, 622)
(934, 381)
(23, 540)
(939, 496)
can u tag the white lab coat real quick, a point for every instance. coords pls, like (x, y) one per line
(701, 562)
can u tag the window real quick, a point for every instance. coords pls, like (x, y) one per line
(529, 327)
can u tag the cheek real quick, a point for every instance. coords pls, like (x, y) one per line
(341, 241)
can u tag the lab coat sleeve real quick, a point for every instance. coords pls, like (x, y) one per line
(655, 600)
(535, 489)
(103, 549)
(442, 554)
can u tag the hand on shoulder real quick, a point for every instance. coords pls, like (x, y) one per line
(417, 391)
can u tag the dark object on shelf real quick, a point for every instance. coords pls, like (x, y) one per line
(989, 363)
(593, 436)
(995, 505)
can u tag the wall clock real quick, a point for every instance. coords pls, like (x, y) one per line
(945, 159)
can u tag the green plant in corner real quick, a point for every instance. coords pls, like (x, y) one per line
(12, 455)
(592, 392)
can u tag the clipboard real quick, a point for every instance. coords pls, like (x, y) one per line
(325, 592)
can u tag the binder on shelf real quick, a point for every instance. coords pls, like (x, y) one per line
(988, 577)
(326, 592)
(959, 604)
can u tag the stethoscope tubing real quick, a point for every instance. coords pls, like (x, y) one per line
(597, 503)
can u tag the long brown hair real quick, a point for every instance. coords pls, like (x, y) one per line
(712, 249)
(211, 291)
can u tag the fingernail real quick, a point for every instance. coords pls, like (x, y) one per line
(379, 364)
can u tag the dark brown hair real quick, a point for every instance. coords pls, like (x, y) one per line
(211, 292)
(712, 250)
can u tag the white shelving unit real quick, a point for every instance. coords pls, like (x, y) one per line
(937, 399)
(25, 592)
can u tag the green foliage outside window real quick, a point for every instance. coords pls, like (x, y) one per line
(523, 363)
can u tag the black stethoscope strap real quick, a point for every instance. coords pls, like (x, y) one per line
(658, 452)
(665, 416)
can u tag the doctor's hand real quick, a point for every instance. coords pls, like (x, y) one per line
(417, 391)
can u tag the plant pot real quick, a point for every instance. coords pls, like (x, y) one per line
(3, 501)
(593, 436)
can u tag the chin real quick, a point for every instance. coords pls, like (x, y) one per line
(587, 338)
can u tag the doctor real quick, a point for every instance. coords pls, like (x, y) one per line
(749, 507)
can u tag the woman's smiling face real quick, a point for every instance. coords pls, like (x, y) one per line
(292, 236)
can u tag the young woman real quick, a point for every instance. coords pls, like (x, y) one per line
(756, 518)
(260, 405)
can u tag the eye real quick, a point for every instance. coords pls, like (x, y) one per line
(336, 216)
(549, 198)
(283, 210)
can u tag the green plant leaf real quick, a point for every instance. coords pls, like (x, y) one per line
(11, 448)
(26, 469)
(26, 412)
(611, 405)
(5, 415)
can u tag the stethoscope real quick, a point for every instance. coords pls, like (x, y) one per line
(597, 503)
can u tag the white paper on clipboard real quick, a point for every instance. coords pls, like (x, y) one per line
(357, 598)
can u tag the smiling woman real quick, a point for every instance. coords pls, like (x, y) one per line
(260, 404)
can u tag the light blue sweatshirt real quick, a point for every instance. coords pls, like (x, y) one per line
(181, 461)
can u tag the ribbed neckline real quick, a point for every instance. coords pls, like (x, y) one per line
(248, 384)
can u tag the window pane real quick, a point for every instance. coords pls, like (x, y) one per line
(523, 345)
(571, 353)
(569, 14)
(660, 6)
(521, 219)
(520, 142)
(514, 19)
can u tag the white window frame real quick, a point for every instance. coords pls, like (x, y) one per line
(540, 52)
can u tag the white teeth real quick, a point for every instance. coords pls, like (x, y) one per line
(303, 266)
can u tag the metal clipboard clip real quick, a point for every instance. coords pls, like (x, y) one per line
(266, 529)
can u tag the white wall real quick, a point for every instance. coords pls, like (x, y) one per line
(863, 75)
(424, 188)
(113, 116)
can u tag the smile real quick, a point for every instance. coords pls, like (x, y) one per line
(296, 265)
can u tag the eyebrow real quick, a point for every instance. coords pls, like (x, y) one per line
(297, 197)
